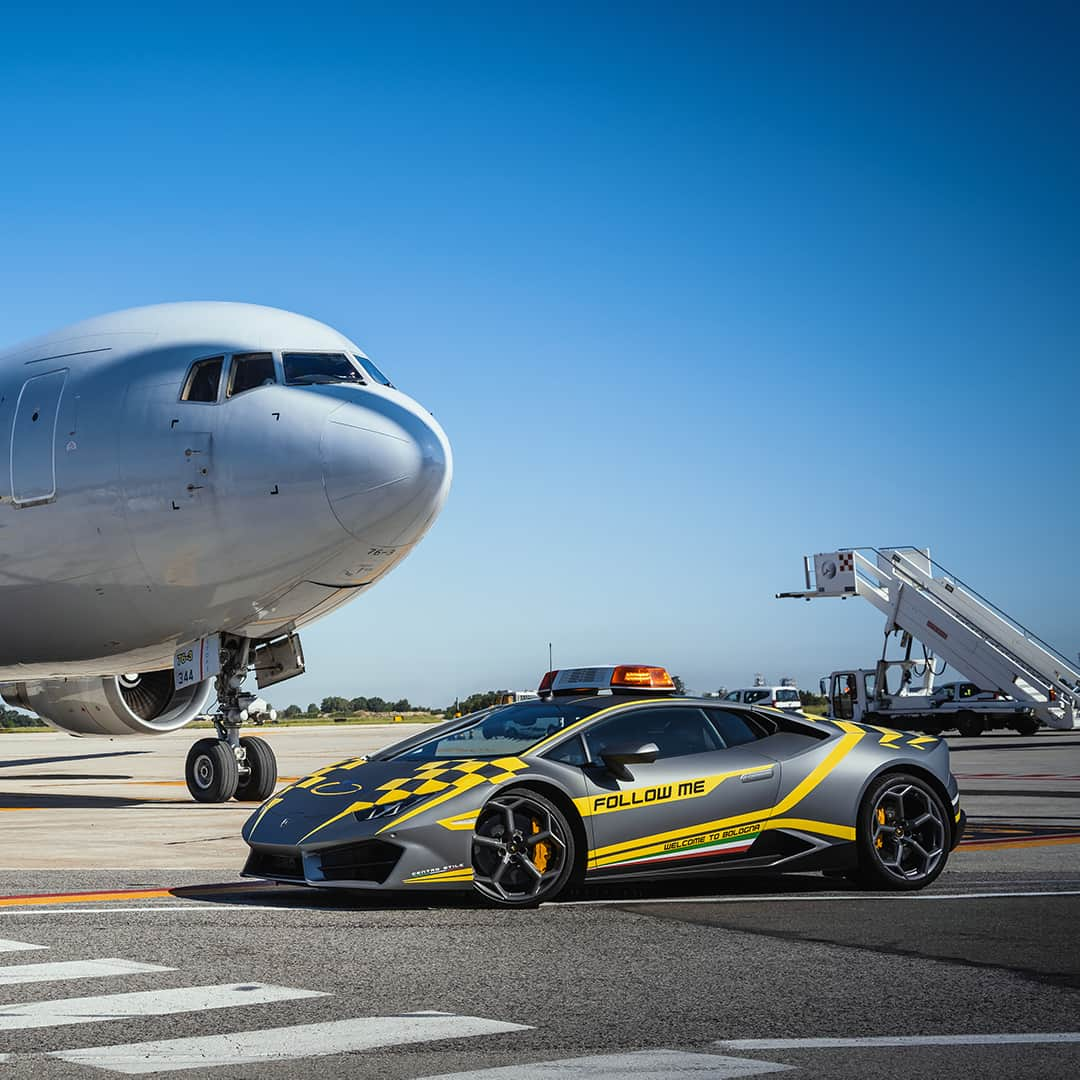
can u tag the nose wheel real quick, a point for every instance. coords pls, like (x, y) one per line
(233, 766)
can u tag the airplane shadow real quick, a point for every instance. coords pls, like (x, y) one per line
(16, 762)
(11, 800)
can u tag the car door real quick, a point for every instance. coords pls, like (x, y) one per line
(703, 801)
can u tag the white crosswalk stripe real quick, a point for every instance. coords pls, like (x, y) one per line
(94, 1010)
(16, 974)
(18, 946)
(285, 1043)
(638, 1065)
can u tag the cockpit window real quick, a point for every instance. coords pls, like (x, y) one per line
(250, 370)
(309, 369)
(203, 380)
(373, 371)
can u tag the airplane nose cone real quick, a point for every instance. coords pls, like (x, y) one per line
(386, 469)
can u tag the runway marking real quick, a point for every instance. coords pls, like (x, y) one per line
(1000, 845)
(640, 1064)
(184, 891)
(148, 909)
(35, 899)
(285, 1043)
(804, 897)
(58, 971)
(18, 946)
(901, 1040)
(94, 1010)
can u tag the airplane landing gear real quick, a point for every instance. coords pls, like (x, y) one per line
(231, 765)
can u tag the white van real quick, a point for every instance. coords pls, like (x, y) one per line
(777, 697)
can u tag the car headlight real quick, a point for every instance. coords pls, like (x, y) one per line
(389, 810)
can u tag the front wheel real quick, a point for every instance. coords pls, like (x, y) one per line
(902, 834)
(523, 849)
(211, 771)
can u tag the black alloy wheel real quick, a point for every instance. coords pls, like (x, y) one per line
(902, 835)
(523, 849)
(258, 784)
(211, 771)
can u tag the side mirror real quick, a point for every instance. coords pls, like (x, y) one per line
(618, 757)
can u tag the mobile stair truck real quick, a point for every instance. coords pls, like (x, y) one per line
(1017, 680)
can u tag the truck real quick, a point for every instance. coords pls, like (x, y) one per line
(866, 695)
(1013, 678)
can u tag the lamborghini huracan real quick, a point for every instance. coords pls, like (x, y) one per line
(610, 775)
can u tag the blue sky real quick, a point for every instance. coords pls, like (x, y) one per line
(694, 290)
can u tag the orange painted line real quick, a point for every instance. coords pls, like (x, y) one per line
(40, 899)
(184, 892)
(997, 845)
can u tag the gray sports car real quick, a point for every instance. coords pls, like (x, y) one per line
(607, 776)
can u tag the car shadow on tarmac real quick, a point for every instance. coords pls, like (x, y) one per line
(241, 894)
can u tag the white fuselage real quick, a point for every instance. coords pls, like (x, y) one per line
(133, 521)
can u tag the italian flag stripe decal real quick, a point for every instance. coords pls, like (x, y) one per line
(691, 851)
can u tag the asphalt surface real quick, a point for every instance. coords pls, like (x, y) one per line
(614, 975)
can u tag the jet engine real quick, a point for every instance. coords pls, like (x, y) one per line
(136, 704)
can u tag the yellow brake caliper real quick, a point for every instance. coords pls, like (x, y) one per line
(881, 821)
(542, 851)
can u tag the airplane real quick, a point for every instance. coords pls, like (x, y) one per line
(183, 487)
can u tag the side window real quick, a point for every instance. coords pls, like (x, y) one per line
(676, 730)
(735, 729)
(967, 689)
(571, 752)
(203, 380)
(733, 696)
(250, 370)
(755, 695)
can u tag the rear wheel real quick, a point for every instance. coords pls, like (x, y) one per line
(970, 724)
(211, 771)
(902, 834)
(1026, 727)
(259, 783)
(523, 849)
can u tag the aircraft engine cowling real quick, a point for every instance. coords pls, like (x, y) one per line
(142, 704)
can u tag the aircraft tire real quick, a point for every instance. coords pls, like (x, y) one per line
(211, 771)
(261, 779)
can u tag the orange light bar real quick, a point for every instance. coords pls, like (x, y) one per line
(653, 678)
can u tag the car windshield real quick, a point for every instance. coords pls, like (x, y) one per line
(500, 732)
(307, 369)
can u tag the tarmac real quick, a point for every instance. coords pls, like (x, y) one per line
(129, 945)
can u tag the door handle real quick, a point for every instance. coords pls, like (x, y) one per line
(750, 777)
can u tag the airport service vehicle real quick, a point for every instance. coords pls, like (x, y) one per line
(610, 776)
(785, 696)
(865, 695)
(182, 488)
(1020, 681)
